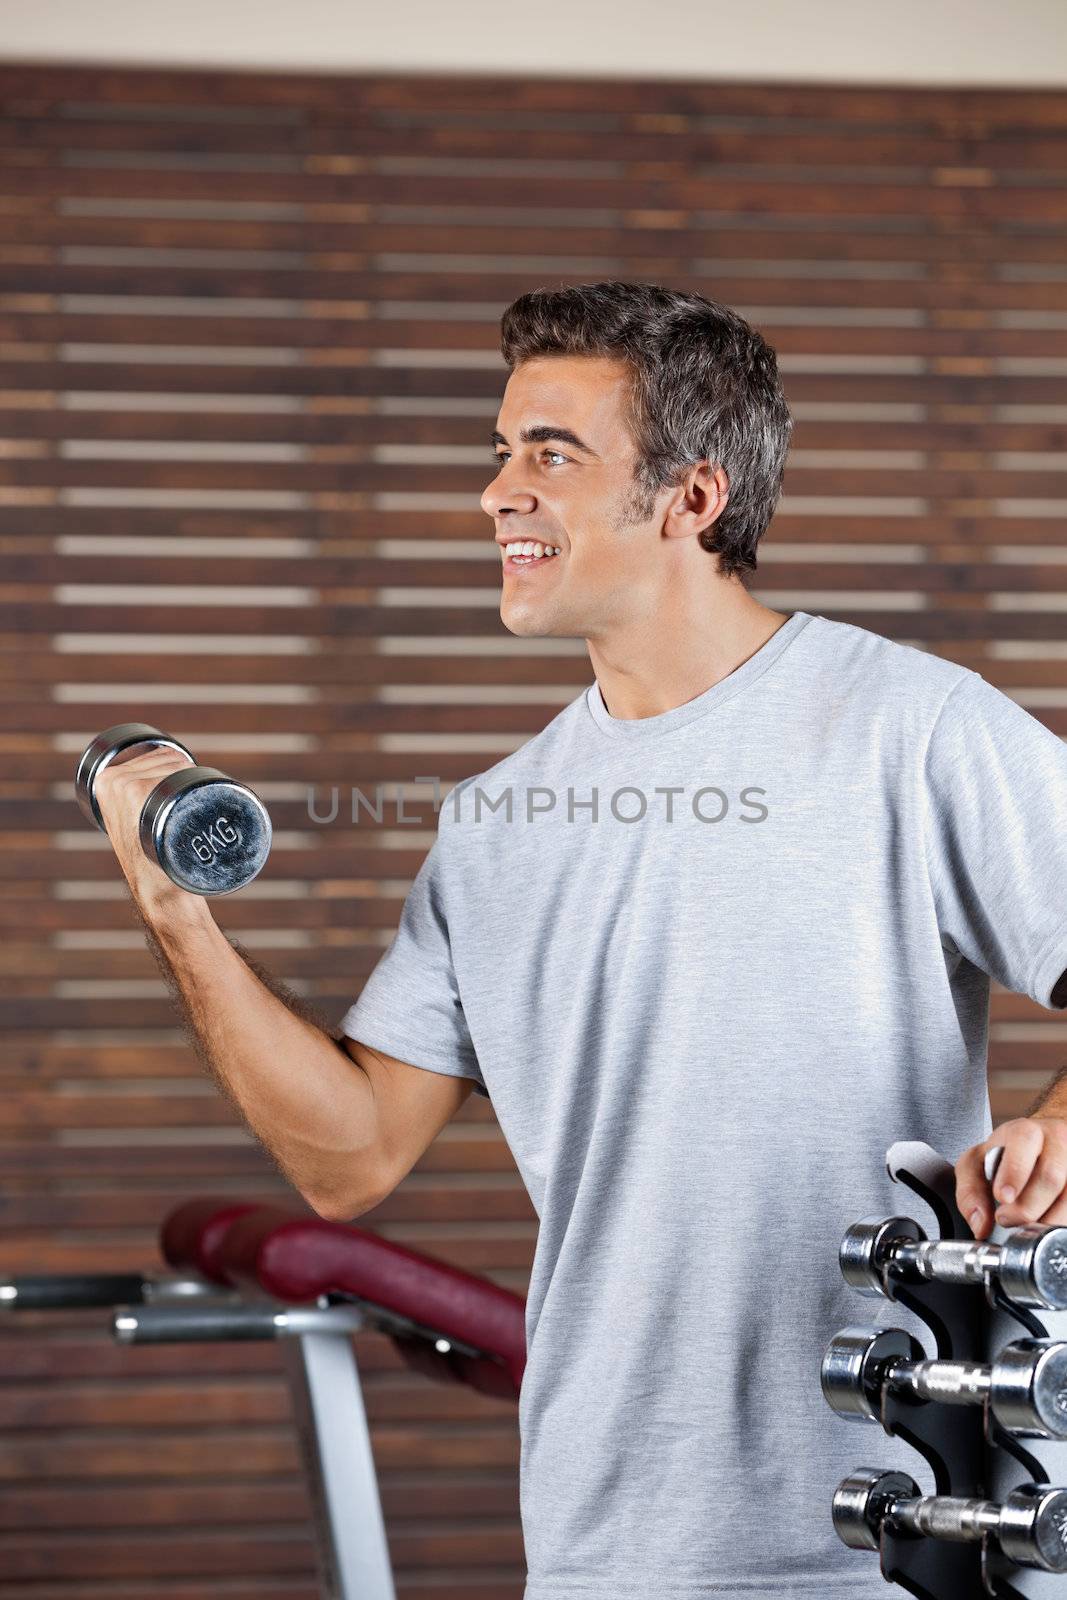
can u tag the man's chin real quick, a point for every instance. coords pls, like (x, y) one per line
(526, 623)
(525, 627)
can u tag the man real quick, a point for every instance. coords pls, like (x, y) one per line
(711, 941)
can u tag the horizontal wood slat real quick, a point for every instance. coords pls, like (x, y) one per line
(248, 366)
(466, 1146)
(665, 237)
(950, 296)
(448, 622)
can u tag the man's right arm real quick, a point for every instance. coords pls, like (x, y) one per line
(343, 1122)
(307, 1100)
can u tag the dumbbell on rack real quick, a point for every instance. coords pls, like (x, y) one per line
(1030, 1266)
(1026, 1386)
(1030, 1527)
(209, 833)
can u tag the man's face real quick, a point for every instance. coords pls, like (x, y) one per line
(582, 500)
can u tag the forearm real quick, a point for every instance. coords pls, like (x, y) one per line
(305, 1099)
(1052, 1101)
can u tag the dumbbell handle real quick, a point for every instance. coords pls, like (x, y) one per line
(1030, 1265)
(1029, 1526)
(949, 1260)
(1026, 1386)
(953, 1383)
(947, 1517)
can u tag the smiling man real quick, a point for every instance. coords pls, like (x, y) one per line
(711, 941)
(658, 631)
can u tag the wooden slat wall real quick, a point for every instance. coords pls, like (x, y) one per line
(249, 364)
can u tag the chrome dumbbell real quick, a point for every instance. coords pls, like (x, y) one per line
(1026, 1384)
(1030, 1527)
(209, 833)
(1030, 1266)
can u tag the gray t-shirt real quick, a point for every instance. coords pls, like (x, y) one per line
(702, 1015)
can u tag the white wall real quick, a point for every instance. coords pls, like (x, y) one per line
(994, 42)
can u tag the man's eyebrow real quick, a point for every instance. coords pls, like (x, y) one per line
(542, 433)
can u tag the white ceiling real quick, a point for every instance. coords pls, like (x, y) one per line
(961, 42)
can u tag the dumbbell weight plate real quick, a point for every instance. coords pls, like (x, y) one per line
(1034, 1520)
(854, 1366)
(209, 833)
(1030, 1394)
(1033, 1266)
(124, 740)
(865, 1247)
(860, 1501)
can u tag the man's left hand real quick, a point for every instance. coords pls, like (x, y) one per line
(1030, 1184)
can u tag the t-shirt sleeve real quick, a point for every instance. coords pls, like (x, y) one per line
(996, 795)
(410, 1006)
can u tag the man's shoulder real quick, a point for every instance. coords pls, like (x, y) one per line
(882, 666)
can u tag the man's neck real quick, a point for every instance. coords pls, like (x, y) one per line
(655, 670)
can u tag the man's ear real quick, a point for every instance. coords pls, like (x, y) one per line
(701, 499)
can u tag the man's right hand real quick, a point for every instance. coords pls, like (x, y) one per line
(121, 789)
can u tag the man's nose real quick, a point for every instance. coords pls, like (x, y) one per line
(502, 495)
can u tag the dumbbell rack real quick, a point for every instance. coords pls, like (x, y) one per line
(958, 1443)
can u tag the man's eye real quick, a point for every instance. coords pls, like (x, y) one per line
(499, 456)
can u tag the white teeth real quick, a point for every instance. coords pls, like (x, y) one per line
(530, 547)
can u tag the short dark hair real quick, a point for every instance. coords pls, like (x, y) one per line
(704, 386)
